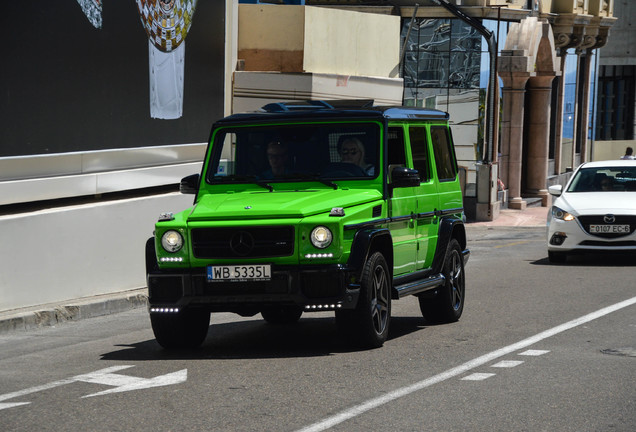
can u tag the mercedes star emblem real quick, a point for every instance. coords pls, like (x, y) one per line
(242, 243)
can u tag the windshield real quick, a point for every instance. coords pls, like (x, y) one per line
(609, 179)
(323, 152)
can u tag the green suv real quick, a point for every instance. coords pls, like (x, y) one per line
(317, 206)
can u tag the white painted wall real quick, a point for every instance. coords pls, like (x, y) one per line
(608, 150)
(71, 252)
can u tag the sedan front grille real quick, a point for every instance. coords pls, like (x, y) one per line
(586, 221)
(243, 242)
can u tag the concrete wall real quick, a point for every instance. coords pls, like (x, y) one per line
(78, 251)
(318, 40)
(252, 90)
(351, 43)
(621, 44)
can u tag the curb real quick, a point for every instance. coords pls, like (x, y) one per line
(51, 315)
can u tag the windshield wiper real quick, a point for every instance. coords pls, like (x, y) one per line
(312, 176)
(246, 178)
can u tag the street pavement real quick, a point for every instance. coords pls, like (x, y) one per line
(73, 310)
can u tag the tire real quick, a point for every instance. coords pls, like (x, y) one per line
(557, 257)
(185, 330)
(368, 324)
(447, 306)
(282, 314)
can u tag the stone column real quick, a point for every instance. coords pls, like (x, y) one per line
(512, 136)
(538, 94)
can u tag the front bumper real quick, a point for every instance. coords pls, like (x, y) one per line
(570, 236)
(328, 287)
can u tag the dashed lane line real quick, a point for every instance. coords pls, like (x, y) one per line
(461, 369)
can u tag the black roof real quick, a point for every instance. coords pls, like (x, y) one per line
(313, 110)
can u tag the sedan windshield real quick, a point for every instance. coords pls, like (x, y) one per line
(299, 152)
(609, 179)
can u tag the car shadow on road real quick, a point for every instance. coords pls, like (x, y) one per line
(605, 259)
(256, 339)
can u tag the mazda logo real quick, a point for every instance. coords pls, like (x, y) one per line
(610, 218)
(242, 243)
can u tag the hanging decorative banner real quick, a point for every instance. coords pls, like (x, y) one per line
(166, 22)
(93, 11)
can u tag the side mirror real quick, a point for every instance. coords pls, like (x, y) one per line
(190, 184)
(404, 177)
(555, 190)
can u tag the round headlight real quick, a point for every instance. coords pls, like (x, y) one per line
(321, 237)
(172, 241)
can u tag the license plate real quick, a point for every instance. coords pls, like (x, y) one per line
(239, 273)
(615, 229)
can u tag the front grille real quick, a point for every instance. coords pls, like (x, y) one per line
(586, 221)
(243, 242)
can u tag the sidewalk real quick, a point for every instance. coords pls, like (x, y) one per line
(530, 217)
(73, 310)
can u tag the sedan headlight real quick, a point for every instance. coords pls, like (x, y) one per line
(172, 241)
(321, 237)
(561, 214)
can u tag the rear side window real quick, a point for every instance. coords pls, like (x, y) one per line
(419, 150)
(444, 155)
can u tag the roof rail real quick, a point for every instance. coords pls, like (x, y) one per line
(317, 104)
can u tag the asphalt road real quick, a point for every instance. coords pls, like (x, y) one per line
(539, 348)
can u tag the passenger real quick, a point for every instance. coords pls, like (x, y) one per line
(352, 151)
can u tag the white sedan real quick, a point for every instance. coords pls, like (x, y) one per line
(595, 211)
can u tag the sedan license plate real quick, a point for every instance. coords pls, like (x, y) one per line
(240, 273)
(614, 229)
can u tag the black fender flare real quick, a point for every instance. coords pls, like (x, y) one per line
(449, 227)
(366, 240)
(151, 256)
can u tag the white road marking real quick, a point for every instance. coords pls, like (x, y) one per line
(121, 383)
(478, 376)
(507, 364)
(33, 390)
(472, 364)
(141, 383)
(534, 352)
(11, 405)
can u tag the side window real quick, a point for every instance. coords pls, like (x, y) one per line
(419, 150)
(397, 155)
(444, 159)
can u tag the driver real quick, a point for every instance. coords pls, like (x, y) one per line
(352, 151)
(277, 157)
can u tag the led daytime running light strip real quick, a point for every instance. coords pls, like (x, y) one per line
(319, 255)
(165, 310)
(171, 259)
(323, 307)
